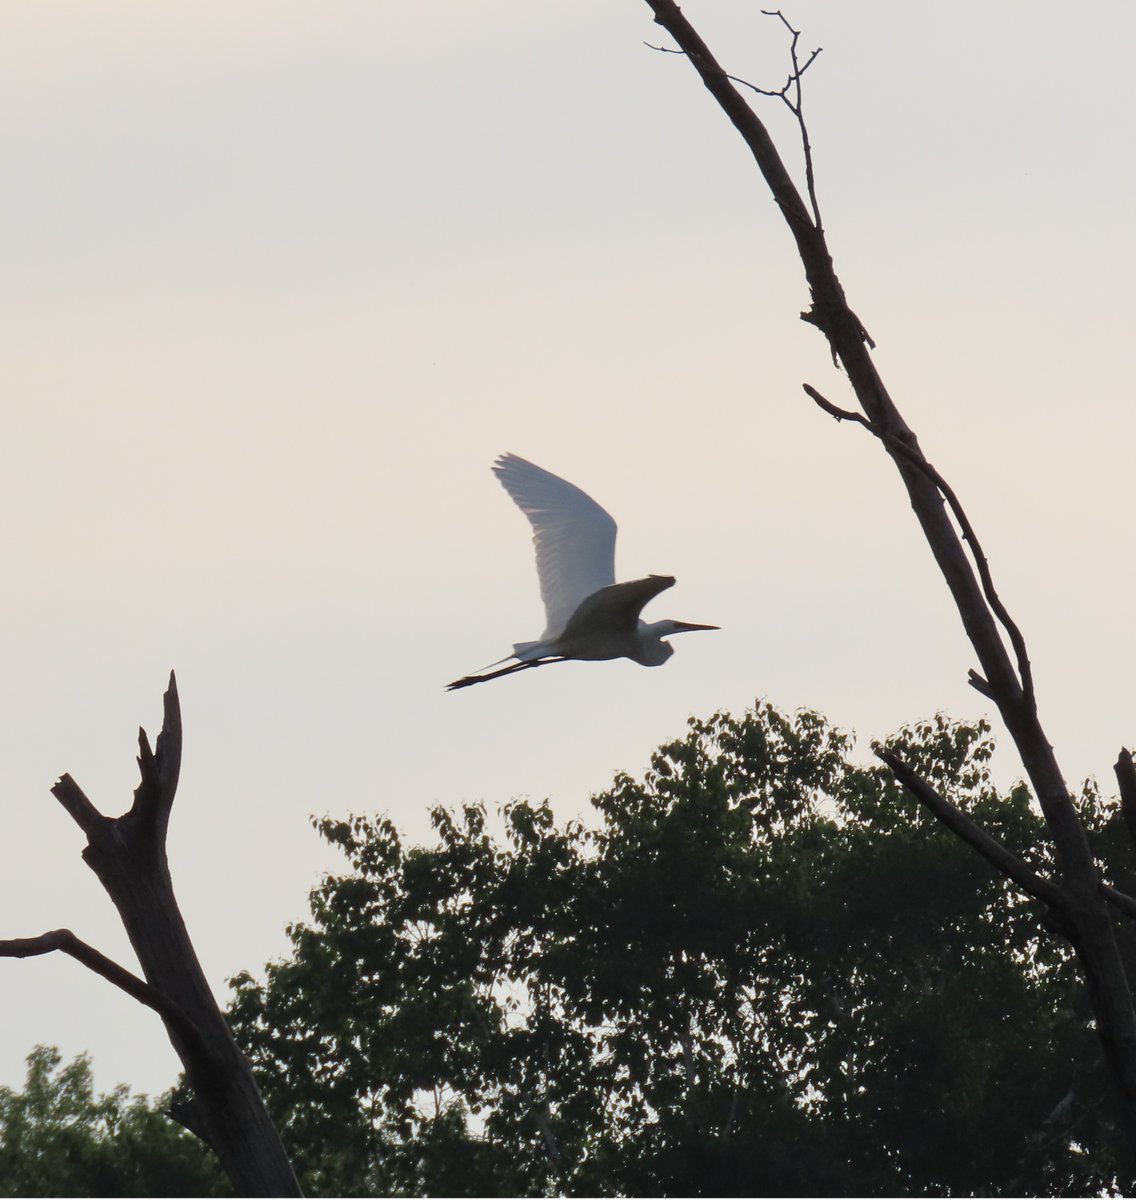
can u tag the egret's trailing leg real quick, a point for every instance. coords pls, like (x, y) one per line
(470, 680)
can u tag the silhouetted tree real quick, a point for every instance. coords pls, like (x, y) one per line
(58, 1138)
(761, 973)
(128, 854)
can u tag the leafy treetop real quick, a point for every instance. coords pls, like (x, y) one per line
(762, 971)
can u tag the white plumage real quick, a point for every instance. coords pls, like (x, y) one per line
(587, 614)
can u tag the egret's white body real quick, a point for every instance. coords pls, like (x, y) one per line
(588, 615)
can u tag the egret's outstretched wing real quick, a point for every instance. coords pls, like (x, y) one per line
(615, 610)
(574, 537)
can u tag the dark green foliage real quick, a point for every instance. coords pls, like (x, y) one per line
(57, 1138)
(763, 972)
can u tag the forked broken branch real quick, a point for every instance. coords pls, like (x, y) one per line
(128, 854)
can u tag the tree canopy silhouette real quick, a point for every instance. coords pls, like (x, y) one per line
(764, 971)
(58, 1137)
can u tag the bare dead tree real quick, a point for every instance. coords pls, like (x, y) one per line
(128, 854)
(1081, 906)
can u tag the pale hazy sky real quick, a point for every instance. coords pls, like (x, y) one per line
(280, 280)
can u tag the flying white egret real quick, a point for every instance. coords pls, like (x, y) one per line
(589, 615)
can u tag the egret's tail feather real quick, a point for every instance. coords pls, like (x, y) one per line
(527, 651)
(490, 666)
(523, 651)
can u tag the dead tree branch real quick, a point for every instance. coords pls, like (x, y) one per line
(66, 942)
(128, 854)
(789, 93)
(1005, 678)
(973, 834)
(1025, 670)
(793, 85)
(1126, 779)
(1125, 903)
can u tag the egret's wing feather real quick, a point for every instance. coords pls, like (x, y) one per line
(615, 609)
(574, 537)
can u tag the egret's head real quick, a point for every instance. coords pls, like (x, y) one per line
(655, 651)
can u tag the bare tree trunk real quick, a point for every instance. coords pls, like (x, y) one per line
(128, 854)
(1078, 900)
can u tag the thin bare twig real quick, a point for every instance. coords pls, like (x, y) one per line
(66, 942)
(794, 106)
(913, 456)
(1120, 900)
(961, 825)
(841, 414)
(793, 84)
